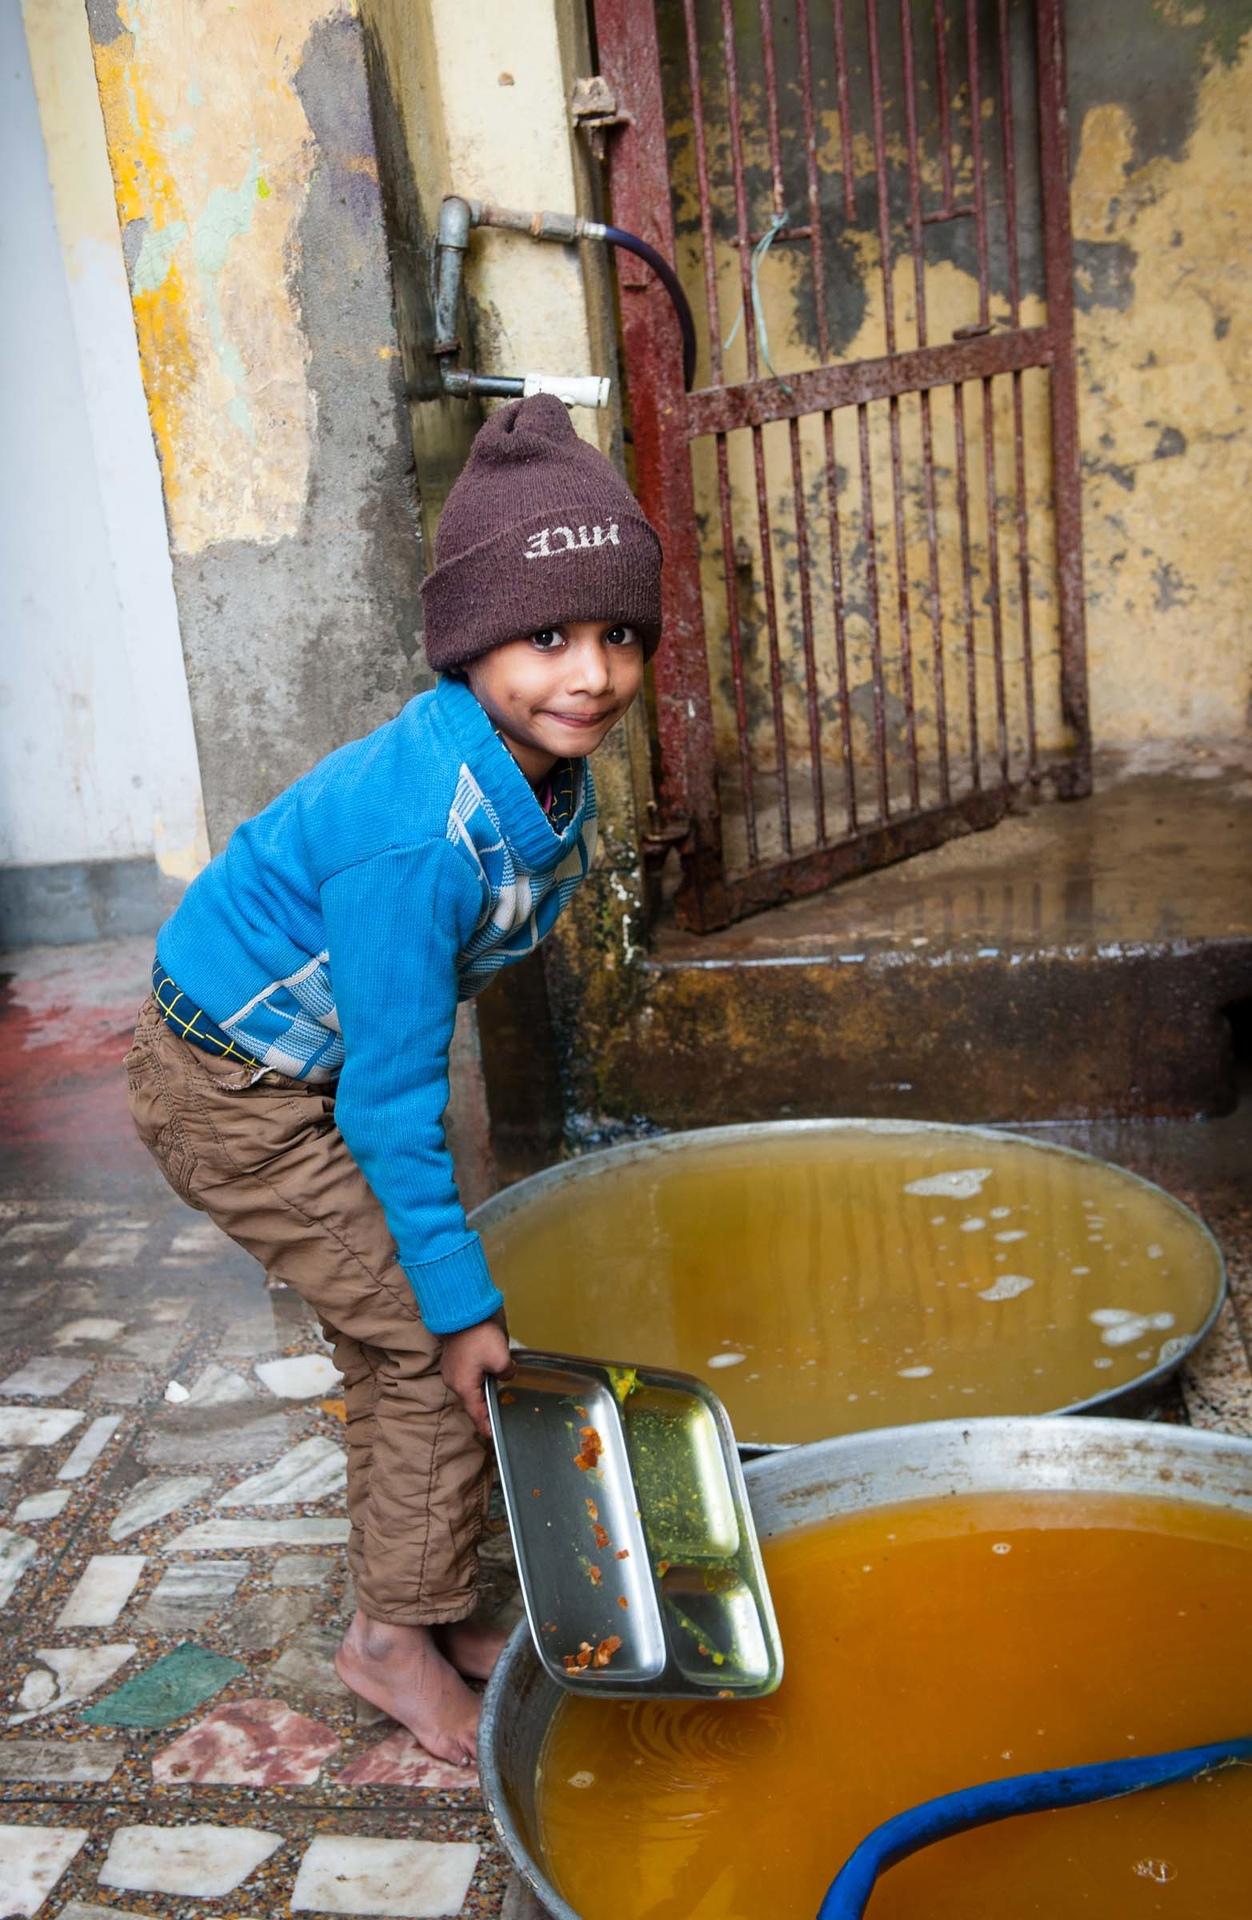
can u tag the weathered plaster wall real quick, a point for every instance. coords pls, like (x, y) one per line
(1162, 97)
(97, 756)
(247, 190)
(1161, 117)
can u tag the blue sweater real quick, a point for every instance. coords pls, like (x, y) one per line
(335, 934)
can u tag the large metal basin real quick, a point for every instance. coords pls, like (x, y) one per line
(806, 1484)
(829, 1276)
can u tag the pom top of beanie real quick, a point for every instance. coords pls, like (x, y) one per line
(526, 430)
(539, 529)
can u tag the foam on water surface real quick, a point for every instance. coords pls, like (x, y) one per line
(809, 1274)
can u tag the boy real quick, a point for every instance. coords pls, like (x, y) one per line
(290, 1070)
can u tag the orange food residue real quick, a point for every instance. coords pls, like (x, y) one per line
(589, 1656)
(594, 1575)
(602, 1535)
(623, 1602)
(588, 1455)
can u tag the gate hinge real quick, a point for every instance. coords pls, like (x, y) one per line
(594, 109)
(663, 832)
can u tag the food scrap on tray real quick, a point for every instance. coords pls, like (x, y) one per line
(589, 1656)
(588, 1455)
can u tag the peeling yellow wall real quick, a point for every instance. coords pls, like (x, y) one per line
(211, 170)
(1165, 378)
(1167, 422)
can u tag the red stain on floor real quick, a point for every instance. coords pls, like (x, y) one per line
(66, 1017)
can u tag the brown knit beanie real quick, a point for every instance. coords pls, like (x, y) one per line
(538, 529)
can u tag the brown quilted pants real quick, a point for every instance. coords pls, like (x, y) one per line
(265, 1160)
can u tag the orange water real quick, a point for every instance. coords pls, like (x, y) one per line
(928, 1647)
(823, 1282)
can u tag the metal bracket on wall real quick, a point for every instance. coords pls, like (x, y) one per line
(595, 112)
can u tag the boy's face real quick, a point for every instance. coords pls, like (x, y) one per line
(555, 694)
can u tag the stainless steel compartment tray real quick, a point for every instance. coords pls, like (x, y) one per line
(631, 1525)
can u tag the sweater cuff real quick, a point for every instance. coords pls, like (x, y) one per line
(456, 1291)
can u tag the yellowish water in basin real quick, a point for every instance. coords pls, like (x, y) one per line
(929, 1647)
(827, 1281)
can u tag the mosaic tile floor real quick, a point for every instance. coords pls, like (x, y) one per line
(173, 1589)
(175, 1741)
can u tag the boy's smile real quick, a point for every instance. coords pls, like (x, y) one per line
(554, 695)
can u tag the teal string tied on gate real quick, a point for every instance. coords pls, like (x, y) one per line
(759, 251)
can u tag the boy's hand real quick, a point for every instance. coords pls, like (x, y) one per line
(468, 1357)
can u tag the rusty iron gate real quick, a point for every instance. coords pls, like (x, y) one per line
(870, 500)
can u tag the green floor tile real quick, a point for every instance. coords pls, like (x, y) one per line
(176, 1684)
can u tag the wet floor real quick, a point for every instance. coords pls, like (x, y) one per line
(172, 1576)
(1157, 855)
(171, 1569)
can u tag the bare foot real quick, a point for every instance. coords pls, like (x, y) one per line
(471, 1646)
(401, 1670)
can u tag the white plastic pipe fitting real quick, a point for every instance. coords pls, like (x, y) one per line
(575, 389)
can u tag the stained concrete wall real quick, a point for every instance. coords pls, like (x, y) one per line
(1161, 114)
(248, 196)
(1162, 137)
(100, 816)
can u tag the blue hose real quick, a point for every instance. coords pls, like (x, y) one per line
(905, 1833)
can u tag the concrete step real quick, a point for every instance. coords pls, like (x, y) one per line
(1079, 960)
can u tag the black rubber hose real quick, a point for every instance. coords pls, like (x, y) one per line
(618, 237)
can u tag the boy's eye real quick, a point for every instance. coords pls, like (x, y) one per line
(546, 639)
(621, 636)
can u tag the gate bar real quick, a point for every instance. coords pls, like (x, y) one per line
(1019, 435)
(688, 793)
(928, 453)
(713, 316)
(945, 117)
(870, 540)
(967, 601)
(852, 383)
(876, 846)
(1074, 778)
(758, 450)
(841, 638)
(988, 397)
(893, 403)
(714, 331)
(845, 117)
